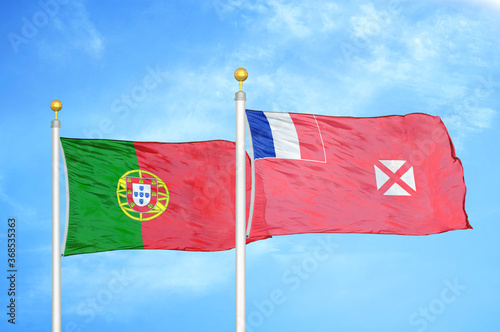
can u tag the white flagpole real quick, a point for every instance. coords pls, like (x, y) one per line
(56, 221)
(240, 74)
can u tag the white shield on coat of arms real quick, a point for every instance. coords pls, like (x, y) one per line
(142, 193)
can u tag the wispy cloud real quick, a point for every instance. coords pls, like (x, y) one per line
(204, 97)
(82, 31)
(76, 33)
(288, 19)
(416, 57)
(299, 19)
(394, 51)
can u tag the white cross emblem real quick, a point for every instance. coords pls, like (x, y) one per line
(395, 178)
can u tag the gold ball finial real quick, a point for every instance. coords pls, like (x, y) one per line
(241, 74)
(56, 106)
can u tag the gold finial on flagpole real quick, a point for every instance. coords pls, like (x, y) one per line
(241, 74)
(56, 106)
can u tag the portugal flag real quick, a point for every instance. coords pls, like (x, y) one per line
(137, 195)
(386, 175)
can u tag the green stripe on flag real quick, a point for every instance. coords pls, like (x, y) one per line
(95, 221)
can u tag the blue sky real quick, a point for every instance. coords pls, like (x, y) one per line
(163, 71)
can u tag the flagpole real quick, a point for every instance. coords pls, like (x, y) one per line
(240, 97)
(56, 220)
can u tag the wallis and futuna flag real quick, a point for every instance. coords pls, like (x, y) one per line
(386, 175)
(140, 195)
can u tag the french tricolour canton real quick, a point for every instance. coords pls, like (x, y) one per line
(319, 174)
(286, 135)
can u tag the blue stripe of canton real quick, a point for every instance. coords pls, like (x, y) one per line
(262, 137)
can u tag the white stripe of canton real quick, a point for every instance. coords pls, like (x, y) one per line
(286, 141)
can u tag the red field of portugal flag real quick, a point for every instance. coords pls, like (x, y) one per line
(321, 174)
(138, 195)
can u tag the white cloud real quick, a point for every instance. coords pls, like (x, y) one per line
(480, 117)
(398, 54)
(371, 23)
(465, 121)
(491, 4)
(418, 56)
(84, 34)
(300, 20)
(423, 49)
(78, 33)
(288, 19)
(189, 106)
